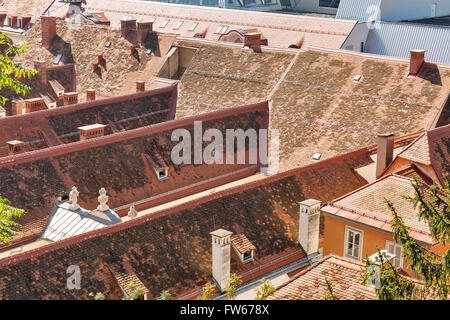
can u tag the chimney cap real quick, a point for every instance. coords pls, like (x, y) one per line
(310, 202)
(221, 233)
(14, 142)
(92, 126)
(418, 51)
(385, 135)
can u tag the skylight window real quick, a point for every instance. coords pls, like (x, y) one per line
(164, 24)
(317, 156)
(223, 30)
(357, 78)
(178, 25)
(194, 25)
(218, 29)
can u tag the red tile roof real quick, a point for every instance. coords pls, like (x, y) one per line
(310, 284)
(171, 249)
(33, 180)
(431, 148)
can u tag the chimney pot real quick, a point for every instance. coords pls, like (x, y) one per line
(221, 255)
(309, 224)
(127, 24)
(48, 26)
(70, 98)
(15, 147)
(140, 86)
(41, 67)
(253, 41)
(102, 200)
(91, 131)
(417, 60)
(385, 152)
(90, 94)
(143, 30)
(73, 198)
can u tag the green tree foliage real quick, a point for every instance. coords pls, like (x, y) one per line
(434, 270)
(266, 290)
(8, 227)
(97, 296)
(137, 294)
(165, 295)
(12, 72)
(208, 293)
(330, 295)
(233, 283)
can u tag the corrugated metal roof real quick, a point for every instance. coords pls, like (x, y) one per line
(356, 10)
(65, 223)
(397, 39)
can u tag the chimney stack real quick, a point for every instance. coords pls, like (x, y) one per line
(416, 61)
(15, 147)
(221, 256)
(385, 152)
(91, 131)
(70, 98)
(143, 30)
(127, 24)
(140, 86)
(17, 107)
(90, 94)
(253, 41)
(309, 223)
(41, 67)
(48, 26)
(35, 104)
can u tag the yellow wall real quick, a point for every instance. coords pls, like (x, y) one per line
(334, 240)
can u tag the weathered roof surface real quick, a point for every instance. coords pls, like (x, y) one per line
(281, 30)
(171, 249)
(310, 284)
(34, 180)
(431, 148)
(397, 39)
(357, 10)
(60, 125)
(118, 71)
(126, 278)
(367, 206)
(317, 108)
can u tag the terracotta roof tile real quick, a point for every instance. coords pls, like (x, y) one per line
(241, 243)
(344, 275)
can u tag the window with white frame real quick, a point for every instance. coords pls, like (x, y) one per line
(397, 250)
(353, 243)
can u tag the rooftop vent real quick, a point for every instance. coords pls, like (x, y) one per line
(15, 147)
(316, 156)
(108, 44)
(356, 78)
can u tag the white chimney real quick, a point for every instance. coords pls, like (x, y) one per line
(102, 200)
(221, 255)
(309, 225)
(73, 199)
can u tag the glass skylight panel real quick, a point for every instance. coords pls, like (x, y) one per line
(164, 24)
(223, 30)
(218, 29)
(194, 25)
(178, 25)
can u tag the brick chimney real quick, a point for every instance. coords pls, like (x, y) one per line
(91, 131)
(309, 223)
(221, 256)
(385, 152)
(70, 98)
(253, 41)
(17, 107)
(15, 147)
(140, 86)
(99, 58)
(48, 26)
(90, 94)
(127, 24)
(36, 104)
(416, 61)
(132, 50)
(143, 30)
(41, 67)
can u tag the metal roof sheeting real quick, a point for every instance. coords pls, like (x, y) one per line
(397, 39)
(357, 10)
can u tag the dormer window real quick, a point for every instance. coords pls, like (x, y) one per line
(162, 174)
(243, 248)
